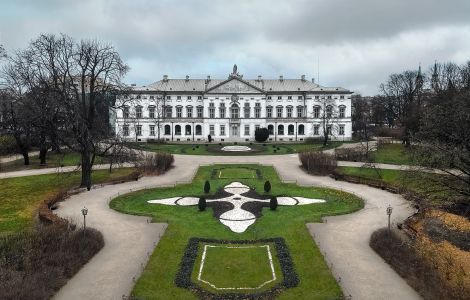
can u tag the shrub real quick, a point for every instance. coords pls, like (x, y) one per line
(317, 162)
(35, 264)
(351, 154)
(207, 187)
(201, 204)
(156, 163)
(313, 140)
(267, 186)
(273, 203)
(261, 134)
(7, 145)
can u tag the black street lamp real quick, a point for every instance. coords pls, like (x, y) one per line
(84, 213)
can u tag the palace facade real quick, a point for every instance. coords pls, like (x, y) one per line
(187, 110)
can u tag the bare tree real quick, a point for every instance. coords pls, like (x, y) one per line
(327, 112)
(158, 106)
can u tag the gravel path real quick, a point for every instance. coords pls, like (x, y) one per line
(343, 239)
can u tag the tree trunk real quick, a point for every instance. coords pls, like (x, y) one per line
(25, 156)
(325, 140)
(86, 170)
(42, 155)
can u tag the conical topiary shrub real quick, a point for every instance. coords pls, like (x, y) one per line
(267, 186)
(207, 187)
(202, 204)
(273, 203)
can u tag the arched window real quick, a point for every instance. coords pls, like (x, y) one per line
(280, 129)
(177, 130)
(198, 130)
(301, 130)
(271, 129)
(187, 130)
(316, 112)
(290, 129)
(234, 110)
(342, 111)
(167, 129)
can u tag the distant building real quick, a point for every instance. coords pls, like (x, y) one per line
(231, 110)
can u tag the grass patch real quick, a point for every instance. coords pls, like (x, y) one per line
(316, 281)
(215, 149)
(20, 197)
(396, 154)
(54, 160)
(236, 173)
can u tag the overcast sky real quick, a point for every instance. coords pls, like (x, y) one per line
(358, 43)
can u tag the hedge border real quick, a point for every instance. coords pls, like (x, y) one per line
(183, 277)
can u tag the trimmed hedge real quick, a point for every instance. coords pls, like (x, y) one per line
(319, 163)
(183, 277)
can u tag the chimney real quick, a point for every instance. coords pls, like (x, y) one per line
(165, 77)
(208, 79)
(187, 77)
(259, 77)
(302, 77)
(281, 78)
(313, 80)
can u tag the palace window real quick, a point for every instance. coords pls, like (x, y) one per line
(247, 129)
(290, 129)
(279, 111)
(329, 97)
(246, 110)
(125, 130)
(167, 130)
(279, 97)
(211, 110)
(289, 97)
(152, 112)
(257, 110)
(280, 129)
(271, 129)
(179, 111)
(342, 111)
(177, 130)
(168, 111)
(189, 98)
(138, 130)
(152, 130)
(138, 112)
(168, 97)
(269, 97)
(289, 111)
(316, 130)
(222, 110)
(139, 97)
(300, 112)
(329, 129)
(317, 97)
(269, 112)
(256, 127)
(212, 130)
(152, 97)
(341, 130)
(235, 112)
(189, 111)
(178, 97)
(222, 130)
(187, 130)
(299, 97)
(301, 130)
(125, 112)
(316, 112)
(199, 97)
(200, 111)
(341, 97)
(198, 130)
(329, 111)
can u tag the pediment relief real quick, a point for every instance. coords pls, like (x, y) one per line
(234, 86)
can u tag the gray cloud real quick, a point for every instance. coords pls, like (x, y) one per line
(358, 42)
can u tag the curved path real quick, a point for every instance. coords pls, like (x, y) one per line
(343, 239)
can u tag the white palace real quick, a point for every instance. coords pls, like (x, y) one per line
(181, 110)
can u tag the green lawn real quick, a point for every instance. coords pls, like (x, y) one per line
(227, 173)
(157, 280)
(53, 160)
(214, 148)
(235, 266)
(417, 182)
(20, 197)
(392, 154)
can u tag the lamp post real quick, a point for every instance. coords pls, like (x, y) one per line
(84, 213)
(389, 213)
